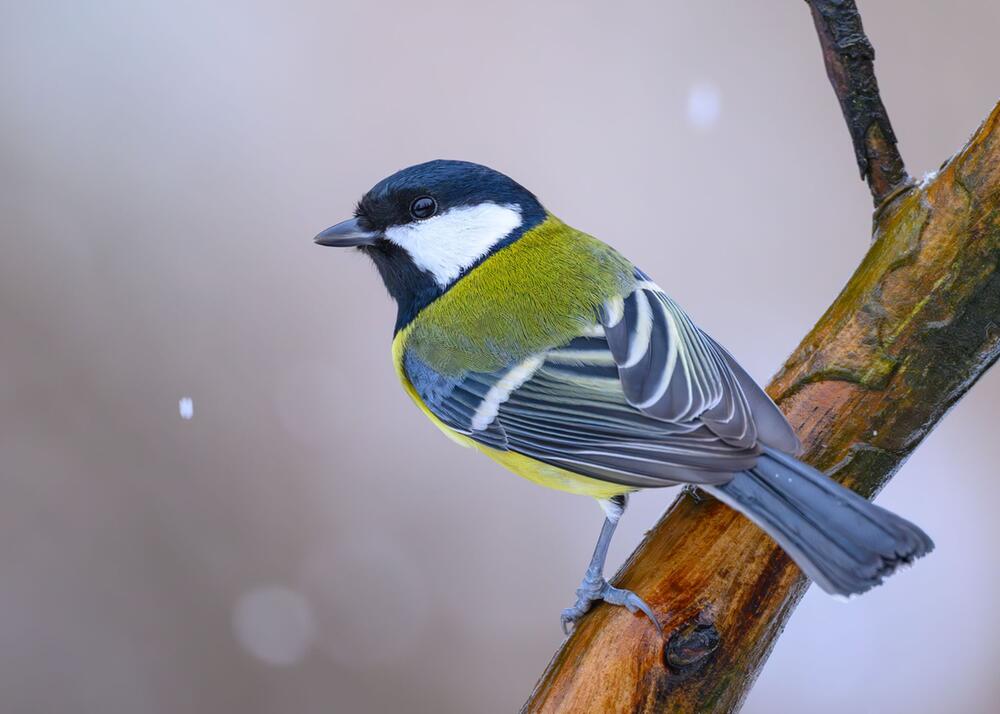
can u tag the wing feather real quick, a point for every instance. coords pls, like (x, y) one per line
(683, 375)
(642, 398)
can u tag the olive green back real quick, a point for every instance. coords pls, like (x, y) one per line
(537, 293)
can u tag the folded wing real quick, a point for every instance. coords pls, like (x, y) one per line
(673, 371)
(642, 398)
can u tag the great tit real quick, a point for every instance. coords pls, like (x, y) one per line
(545, 349)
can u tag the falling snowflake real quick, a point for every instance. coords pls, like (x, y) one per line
(704, 105)
(186, 407)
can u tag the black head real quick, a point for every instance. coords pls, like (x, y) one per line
(428, 225)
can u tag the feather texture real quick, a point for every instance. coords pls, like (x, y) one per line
(628, 390)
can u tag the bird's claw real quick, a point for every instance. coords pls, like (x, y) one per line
(592, 590)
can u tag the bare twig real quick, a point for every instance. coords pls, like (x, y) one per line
(849, 58)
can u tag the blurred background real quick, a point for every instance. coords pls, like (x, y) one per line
(214, 497)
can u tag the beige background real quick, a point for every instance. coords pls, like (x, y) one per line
(307, 542)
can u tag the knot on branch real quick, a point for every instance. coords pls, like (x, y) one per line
(691, 644)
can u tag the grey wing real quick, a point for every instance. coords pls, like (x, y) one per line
(671, 370)
(567, 407)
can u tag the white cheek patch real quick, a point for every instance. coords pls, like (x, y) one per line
(448, 243)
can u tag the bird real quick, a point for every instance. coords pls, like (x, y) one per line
(549, 352)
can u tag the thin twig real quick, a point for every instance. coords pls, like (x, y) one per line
(849, 59)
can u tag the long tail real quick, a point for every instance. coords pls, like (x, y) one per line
(846, 544)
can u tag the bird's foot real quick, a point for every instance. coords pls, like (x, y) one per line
(597, 588)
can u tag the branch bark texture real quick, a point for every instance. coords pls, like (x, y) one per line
(849, 59)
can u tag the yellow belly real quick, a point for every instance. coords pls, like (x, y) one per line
(551, 476)
(524, 466)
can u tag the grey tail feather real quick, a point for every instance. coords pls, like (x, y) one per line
(843, 542)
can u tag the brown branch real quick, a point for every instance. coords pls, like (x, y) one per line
(849, 59)
(915, 327)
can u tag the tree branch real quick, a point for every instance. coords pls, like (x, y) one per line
(849, 59)
(915, 327)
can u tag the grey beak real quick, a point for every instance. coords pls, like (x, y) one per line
(346, 233)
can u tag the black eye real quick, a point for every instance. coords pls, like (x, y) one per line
(423, 207)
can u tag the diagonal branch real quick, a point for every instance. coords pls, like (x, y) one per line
(912, 331)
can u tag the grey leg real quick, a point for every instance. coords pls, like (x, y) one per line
(594, 587)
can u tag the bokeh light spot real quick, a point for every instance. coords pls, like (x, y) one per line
(704, 105)
(274, 624)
